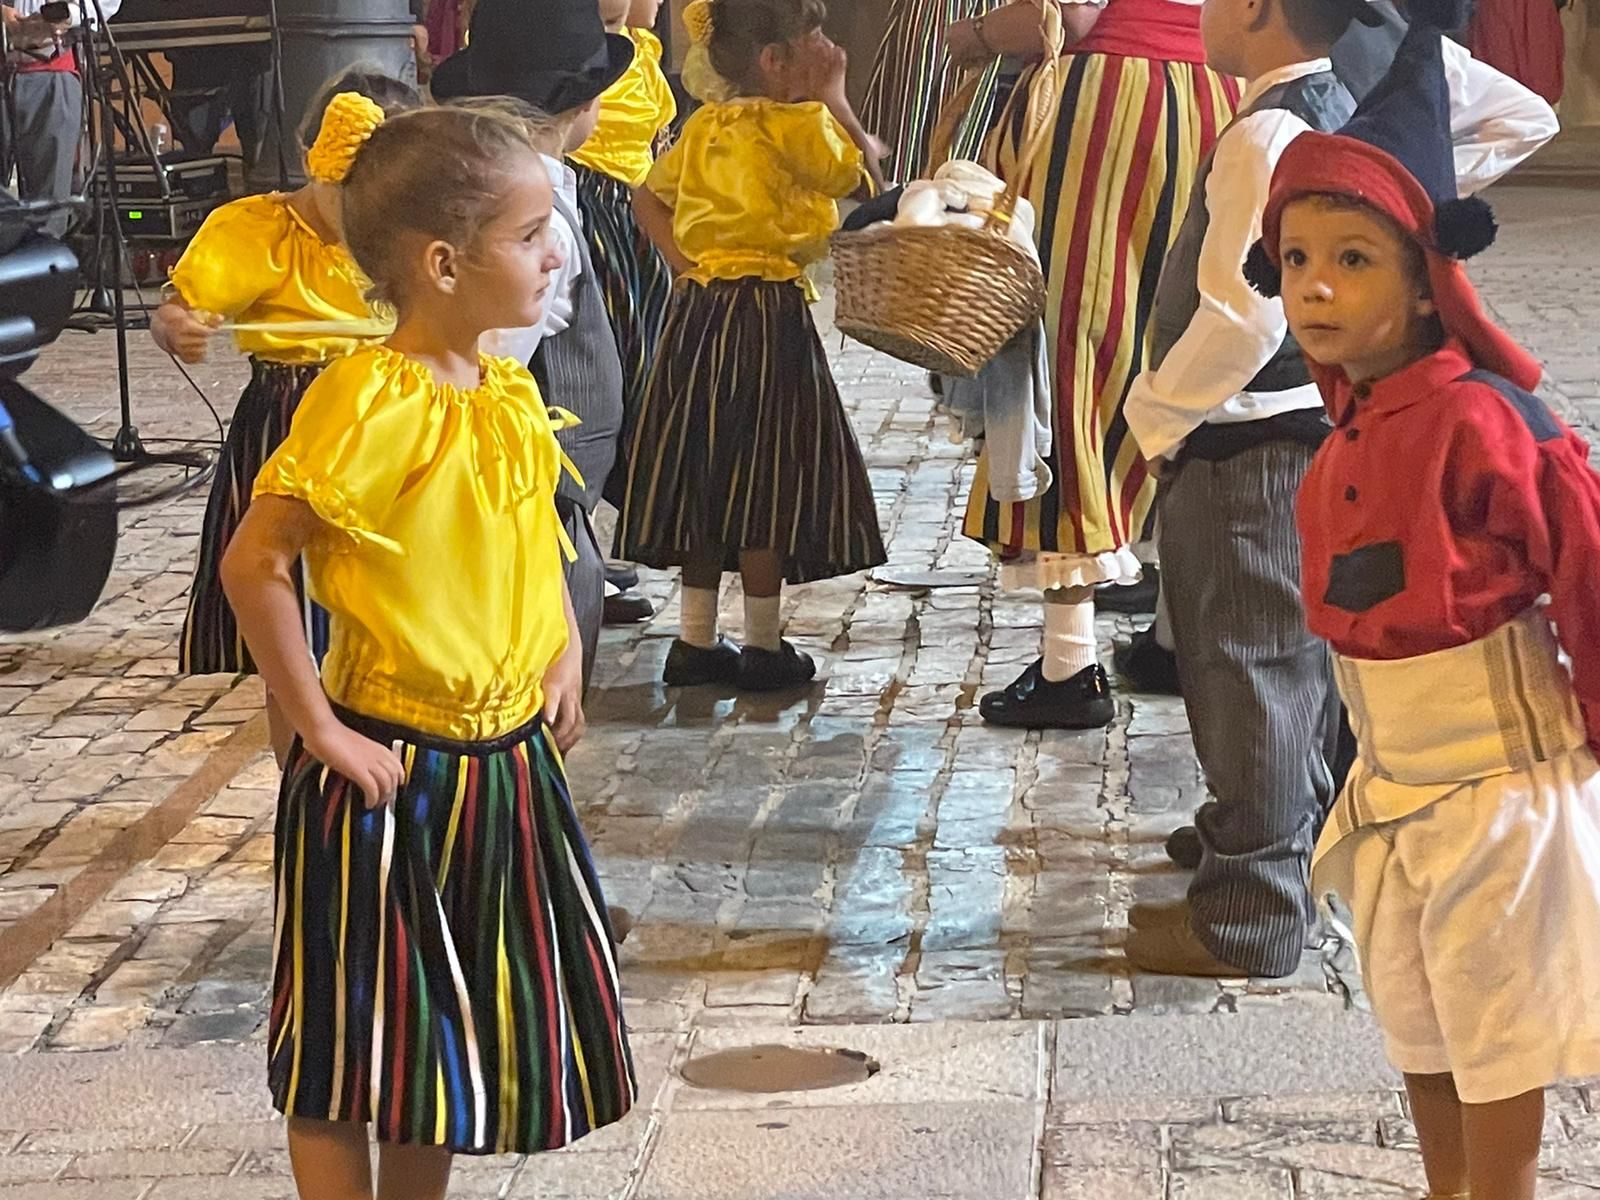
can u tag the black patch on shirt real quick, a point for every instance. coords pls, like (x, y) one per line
(1366, 577)
(1535, 414)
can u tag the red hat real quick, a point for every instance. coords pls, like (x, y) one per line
(1395, 156)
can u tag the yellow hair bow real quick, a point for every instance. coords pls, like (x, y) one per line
(698, 21)
(346, 125)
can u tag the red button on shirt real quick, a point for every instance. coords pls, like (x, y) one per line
(1475, 501)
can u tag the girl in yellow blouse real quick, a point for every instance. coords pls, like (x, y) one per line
(635, 115)
(444, 972)
(266, 262)
(743, 458)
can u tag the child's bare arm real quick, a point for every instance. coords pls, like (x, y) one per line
(258, 575)
(563, 684)
(180, 331)
(655, 218)
(831, 65)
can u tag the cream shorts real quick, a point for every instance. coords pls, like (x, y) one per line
(1478, 925)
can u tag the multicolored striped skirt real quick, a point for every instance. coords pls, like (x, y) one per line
(211, 642)
(443, 968)
(743, 442)
(1110, 189)
(913, 78)
(637, 284)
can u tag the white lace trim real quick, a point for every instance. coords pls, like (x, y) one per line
(1045, 571)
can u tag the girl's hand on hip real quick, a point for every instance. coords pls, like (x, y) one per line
(563, 698)
(371, 766)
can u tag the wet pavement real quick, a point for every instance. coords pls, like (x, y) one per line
(865, 865)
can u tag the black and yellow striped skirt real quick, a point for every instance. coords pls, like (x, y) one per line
(743, 442)
(443, 967)
(211, 642)
(637, 285)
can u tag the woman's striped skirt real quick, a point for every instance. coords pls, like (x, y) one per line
(913, 78)
(743, 442)
(443, 968)
(211, 643)
(637, 285)
(1110, 189)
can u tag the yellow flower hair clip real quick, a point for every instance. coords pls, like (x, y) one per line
(697, 19)
(347, 123)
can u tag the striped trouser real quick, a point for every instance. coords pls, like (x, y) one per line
(1261, 698)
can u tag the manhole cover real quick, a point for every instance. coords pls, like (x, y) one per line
(913, 579)
(779, 1069)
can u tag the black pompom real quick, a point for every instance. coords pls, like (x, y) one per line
(1447, 16)
(1261, 273)
(1462, 228)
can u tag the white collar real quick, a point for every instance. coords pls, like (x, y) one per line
(1265, 83)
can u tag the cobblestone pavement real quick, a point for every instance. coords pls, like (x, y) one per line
(863, 865)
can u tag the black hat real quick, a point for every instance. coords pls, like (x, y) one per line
(553, 54)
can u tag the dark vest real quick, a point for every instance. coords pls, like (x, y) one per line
(580, 370)
(1323, 103)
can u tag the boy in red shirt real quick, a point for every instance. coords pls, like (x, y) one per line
(1447, 501)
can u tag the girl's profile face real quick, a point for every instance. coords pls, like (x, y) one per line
(643, 13)
(504, 278)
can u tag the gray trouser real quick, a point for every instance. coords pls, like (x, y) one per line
(1260, 694)
(586, 579)
(49, 108)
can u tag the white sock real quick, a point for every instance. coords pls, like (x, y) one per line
(698, 623)
(1069, 640)
(761, 621)
(1163, 626)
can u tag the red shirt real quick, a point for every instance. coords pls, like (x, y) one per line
(1445, 502)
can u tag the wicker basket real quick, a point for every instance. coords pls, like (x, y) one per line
(947, 298)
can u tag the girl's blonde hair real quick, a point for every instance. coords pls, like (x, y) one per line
(437, 172)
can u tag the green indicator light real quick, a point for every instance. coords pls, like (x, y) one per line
(135, 215)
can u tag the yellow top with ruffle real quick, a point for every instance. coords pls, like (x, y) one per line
(753, 184)
(257, 260)
(633, 112)
(440, 553)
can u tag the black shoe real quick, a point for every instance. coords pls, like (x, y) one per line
(623, 609)
(1184, 848)
(1148, 666)
(622, 576)
(692, 666)
(1130, 599)
(774, 670)
(1033, 702)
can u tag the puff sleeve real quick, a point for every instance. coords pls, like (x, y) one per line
(236, 257)
(819, 153)
(667, 175)
(359, 433)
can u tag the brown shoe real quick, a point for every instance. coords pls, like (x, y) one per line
(621, 922)
(1171, 948)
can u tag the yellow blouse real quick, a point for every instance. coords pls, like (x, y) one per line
(256, 260)
(440, 554)
(753, 183)
(633, 112)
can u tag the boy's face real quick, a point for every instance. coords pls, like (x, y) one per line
(583, 124)
(1223, 25)
(1354, 288)
(614, 13)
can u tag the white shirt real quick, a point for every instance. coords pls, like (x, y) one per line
(1495, 123)
(520, 344)
(26, 8)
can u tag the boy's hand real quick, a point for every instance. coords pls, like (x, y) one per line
(563, 697)
(184, 334)
(371, 766)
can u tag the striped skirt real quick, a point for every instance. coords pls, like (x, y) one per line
(636, 283)
(743, 442)
(913, 78)
(211, 643)
(1110, 189)
(443, 968)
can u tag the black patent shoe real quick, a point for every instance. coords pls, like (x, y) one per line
(693, 666)
(626, 609)
(1148, 666)
(774, 670)
(1130, 599)
(1033, 702)
(1184, 847)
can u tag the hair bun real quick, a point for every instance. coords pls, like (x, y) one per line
(698, 20)
(347, 123)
